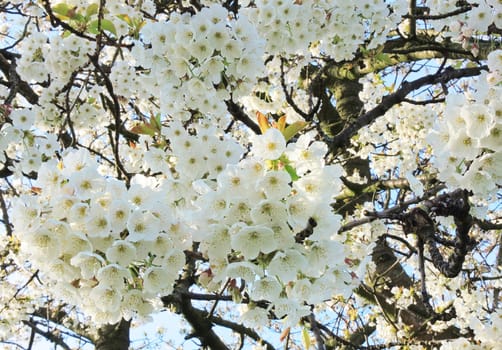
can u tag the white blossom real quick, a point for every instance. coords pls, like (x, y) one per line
(270, 145)
(285, 265)
(142, 225)
(267, 288)
(158, 280)
(121, 252)
(113, 275)
(89, 263)
(109, 298)
(255, 317)
(251, 240)
(245, 270)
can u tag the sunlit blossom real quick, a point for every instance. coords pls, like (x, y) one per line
(285, 265)
(121, 252)
(158, 280)
(251, 240)
(270, 145)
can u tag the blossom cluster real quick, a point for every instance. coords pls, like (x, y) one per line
(331, 27)
(52, 57)
(467, 26)
(114, 219)
(463, 140)
(467, 140)
(256, 212)
(393, 141)
(197, 61)
(94, 238)
(14, 310)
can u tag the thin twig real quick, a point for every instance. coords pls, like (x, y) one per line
(5, 215)
(213, 308)
(47, 335)
(314, 326)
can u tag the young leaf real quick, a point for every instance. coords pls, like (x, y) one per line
(293, 129)
(281, 123)
(383, 57)
(292, 172)
(306, 338)
(262, 122)
(155, 122)
(92, 9)
(284, 334)
(126, 19)
(105, 25)
(144, 129)
(61, 10)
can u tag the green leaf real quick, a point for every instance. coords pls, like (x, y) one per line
(105, 25)
(292, 129)
(144, 129)
(306, 338)
(155, 122)
(61, 9)
(292, 172)
(151, 127)
(109, 26)
(65, 12)
(137, 25)
(92, 9)
(126, 19)
(77, 17)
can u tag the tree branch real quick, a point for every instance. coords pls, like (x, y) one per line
(396, 51)
(422, 16)
(56, 22)
(5, 215)
(180, 302)
(420, 223)
(114, 106)
(314, 326)
(343, 138)
(238, 328)
(51, 336)
(236, 111)
(14, 81)
(113, 337)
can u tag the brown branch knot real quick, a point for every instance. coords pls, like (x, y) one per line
(418, 221)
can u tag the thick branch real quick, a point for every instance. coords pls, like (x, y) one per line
(14, 81)
(419, 222)
(236, 111)
(113, 337)
(201, 325)
(346, 93)
(401, 50)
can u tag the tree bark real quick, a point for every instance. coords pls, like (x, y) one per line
(113, 337)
